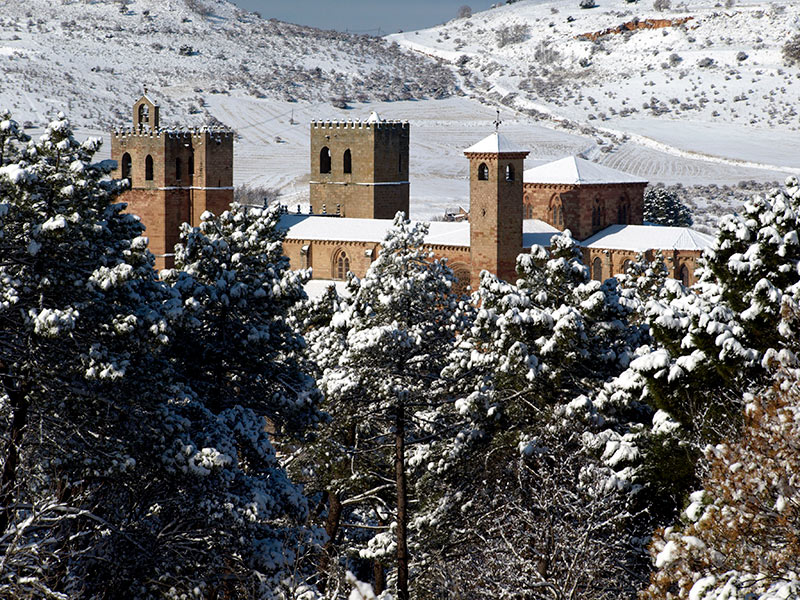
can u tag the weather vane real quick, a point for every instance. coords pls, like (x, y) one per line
(497, 121)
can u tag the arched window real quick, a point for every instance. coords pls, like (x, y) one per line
(684, 275)
(191, 164)
(178, 168)
(341, 265)
(598, 216)
(509, 172)
(144, 113)
(483, 172)
(347, 162)
(462, 276)
(325, 160)
(597, 269)
(148, 168)
(127, 166)
(623, 212)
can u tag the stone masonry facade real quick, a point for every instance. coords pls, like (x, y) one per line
(584, 209)
(174, 175)
(359, 169)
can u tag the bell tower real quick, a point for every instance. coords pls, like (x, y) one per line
(495, 206)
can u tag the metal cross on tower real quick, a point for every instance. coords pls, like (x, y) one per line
(497, 121)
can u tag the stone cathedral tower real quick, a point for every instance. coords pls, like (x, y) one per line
(359, 169)
(495, 206)
(175, 175)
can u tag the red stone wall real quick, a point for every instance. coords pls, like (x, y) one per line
(320, 255)
(379, 155)
(612, 262)
(578, 202)
(495, 215)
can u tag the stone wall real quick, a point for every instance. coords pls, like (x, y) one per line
(377, 186)
(621, 203)
(612, 262)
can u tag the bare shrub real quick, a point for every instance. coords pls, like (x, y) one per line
(791, 50)
(464, 12)
(662, 5)
(257, 195)
(511, 34)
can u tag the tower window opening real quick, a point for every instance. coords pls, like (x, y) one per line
(483, 172)
(144, 114)
(191, 164)
(148, 168)
(347, 161)
(325, 160)
(127, 166)
(509, 172)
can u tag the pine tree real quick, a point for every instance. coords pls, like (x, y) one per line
(663, 207)
(120, 478)
(723, 336)
(524, 369)
(740, 535)
(380, 357)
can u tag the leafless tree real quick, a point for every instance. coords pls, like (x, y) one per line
(464, 12)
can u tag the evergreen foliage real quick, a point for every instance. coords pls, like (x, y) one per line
(663, 207)
(380, 351)
(739, 537)
(125, 472)
(723, 336)
(525, 367)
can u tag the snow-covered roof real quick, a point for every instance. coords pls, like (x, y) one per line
(444, 233)
(148, 98)
(575, 170)
(339, 229)
(536, 232)
(374, 117)
(495, 143)
(640, 238)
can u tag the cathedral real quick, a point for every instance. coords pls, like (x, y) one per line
(359, 180)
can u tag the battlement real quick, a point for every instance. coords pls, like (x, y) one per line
(358, 124)
(196, 133)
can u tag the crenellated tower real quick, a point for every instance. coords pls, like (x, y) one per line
(175, 175)
(359, 169)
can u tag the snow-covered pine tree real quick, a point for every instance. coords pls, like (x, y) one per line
(535, 351)
(718, 339)
(381, 356)
(663, 207)
(234, 343)
(739, 538)
(81, 318)
(119, 479)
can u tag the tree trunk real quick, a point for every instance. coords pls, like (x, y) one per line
(402, 507)
(8, 481)
(379, 577)
(331, 528)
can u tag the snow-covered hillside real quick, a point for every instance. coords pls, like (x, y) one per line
(90, 57)
(638, 101)
(701, 78)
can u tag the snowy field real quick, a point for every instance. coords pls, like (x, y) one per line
(272, 151)
(638, 101)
